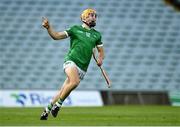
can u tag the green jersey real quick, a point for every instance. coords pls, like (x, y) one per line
(82, 42)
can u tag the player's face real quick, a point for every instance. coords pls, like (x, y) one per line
(91, 20)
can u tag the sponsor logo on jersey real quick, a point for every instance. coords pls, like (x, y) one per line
(80, 31)
(88, 34)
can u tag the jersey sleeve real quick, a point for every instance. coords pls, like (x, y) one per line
(69, 31)
(99, 42)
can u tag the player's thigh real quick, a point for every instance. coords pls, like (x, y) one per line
(72, 75)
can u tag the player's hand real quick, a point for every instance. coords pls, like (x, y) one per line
(45, 22)
(99, 61)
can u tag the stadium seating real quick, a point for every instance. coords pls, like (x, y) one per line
(141, 41)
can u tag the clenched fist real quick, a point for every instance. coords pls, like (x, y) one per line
(45, 22)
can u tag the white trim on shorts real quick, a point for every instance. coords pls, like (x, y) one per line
(72, 64)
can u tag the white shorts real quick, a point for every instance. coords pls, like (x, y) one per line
(72, 64)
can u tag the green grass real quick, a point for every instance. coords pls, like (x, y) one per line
(94, 116)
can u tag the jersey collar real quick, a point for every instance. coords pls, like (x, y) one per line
(85, 27)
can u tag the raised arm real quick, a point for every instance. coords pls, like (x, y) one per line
(55, 35)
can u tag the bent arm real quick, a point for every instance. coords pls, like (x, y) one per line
(56, 35)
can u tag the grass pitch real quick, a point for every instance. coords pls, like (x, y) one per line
(94, 116)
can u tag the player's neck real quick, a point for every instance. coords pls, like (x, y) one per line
(85, 26)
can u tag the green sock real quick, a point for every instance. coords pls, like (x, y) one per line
(49, 107)
(59, 102)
